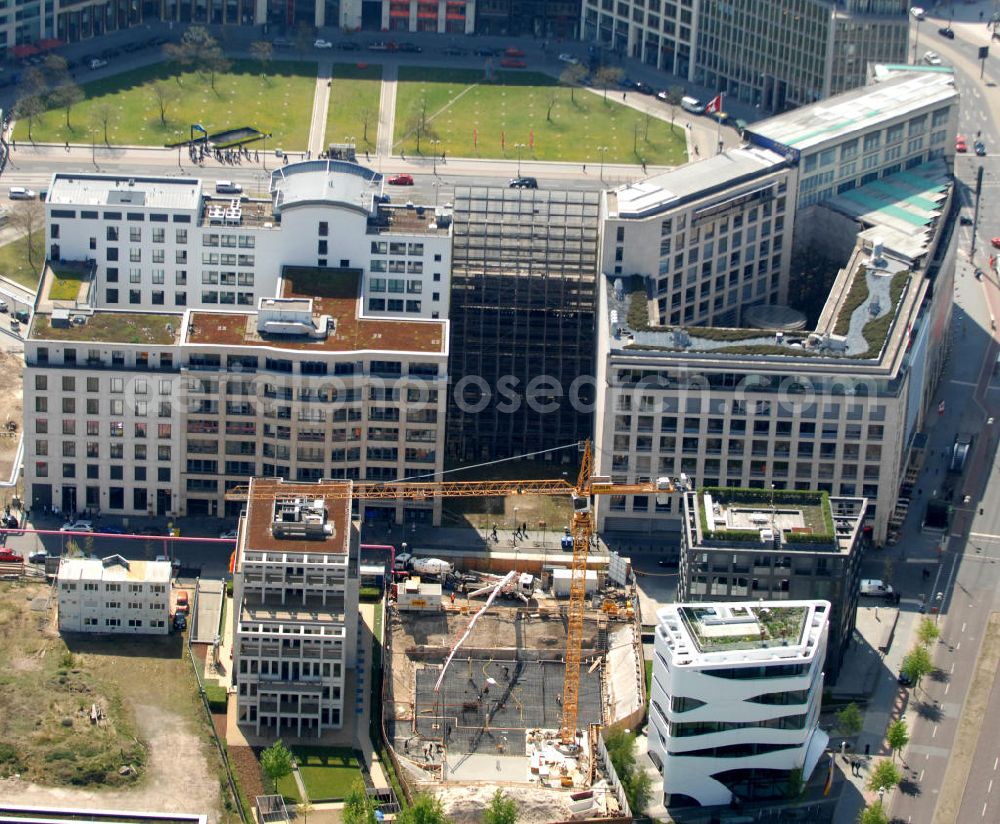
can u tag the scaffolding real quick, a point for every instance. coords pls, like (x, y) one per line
(523, 294)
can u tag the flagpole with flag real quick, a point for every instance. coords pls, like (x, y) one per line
(715, 107)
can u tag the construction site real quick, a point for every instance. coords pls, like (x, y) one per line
(476, 681)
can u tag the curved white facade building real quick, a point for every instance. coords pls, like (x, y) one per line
(735, 700)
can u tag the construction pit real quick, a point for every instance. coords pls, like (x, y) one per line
(494, 720)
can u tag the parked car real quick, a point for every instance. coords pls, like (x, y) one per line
(38, 557)
(995, 241)
(904, 679)
(513, 51)
(980, 148)
(917, 13)
(523, 183)
(182, 605)
(8, 556)
(486, 52)
(229, 534)
(947, 32)
(97, 63)
(643, 88)
(566, 57)
(455, 51)
(960, 144)
(180, 622)
(965, 220)
(3, 306)
(227, 187)
(112, 530)
(412, 48)
(20, 193)
(400, 180)
(350, 45)
(15, 325)
(513, 63)
(932, 58)
(77, 526)
(382, 45)
(322, 44)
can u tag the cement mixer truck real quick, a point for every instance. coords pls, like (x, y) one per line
(424, 567)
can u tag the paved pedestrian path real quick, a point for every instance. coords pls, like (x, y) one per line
(321, 104)
(387, 110)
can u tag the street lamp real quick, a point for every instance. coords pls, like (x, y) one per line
(603, 150)
(520, 148)
(266, 136)
(434, 153)
(437, 190)
(93, 150)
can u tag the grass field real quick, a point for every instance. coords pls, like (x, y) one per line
(280, 104)
(473, 118)
(65, 285)
(14, 260)
(289, 789)
(46, 694)
(354, 98)
(327, 772)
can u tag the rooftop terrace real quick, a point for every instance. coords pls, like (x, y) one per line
(723, 627)
(335, 292)
(262, 529)
(105, 326)
(733, 516)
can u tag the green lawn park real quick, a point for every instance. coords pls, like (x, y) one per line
(354, 98)
(476, 118)
(279, 103)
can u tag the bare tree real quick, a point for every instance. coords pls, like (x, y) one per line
(419, 123)
(673, 99)
(29, 108)
(551, 101)
(33, 81)
(303, 38)
(28, 219)
(214, 63)
(263, 52)
(368, 115)
(195, 44)
(573, 76)
(56, 69)
(164, 94)
(65, 97)
(608, 76)
(102, 116)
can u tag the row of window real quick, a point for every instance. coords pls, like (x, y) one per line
(116, 472)
(132, 623)
(105, 586)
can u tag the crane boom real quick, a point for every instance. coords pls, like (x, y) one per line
(582, 529)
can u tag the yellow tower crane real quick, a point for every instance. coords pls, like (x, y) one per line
(582, 528)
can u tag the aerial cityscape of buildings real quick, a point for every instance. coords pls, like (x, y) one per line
(727, 369)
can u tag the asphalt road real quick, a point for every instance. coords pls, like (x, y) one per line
(967, 573)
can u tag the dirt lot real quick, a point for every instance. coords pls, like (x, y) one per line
(150, 696)
(11, 409)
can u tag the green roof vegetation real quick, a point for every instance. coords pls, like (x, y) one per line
(875, 331)
(767, 626)
(857, 295)
(66, 282)
(817, 514)
(112, 327)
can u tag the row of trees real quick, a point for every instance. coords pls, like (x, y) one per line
(49, 86)
(885, 774)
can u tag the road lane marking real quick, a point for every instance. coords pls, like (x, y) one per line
(963, 626)
(958, 646)
(983, 814)
(996, 762)
(934, 732)
(953, 672)
(921, 778)
(963, 383)
(989, 789)
(946, 686)
(987, 535)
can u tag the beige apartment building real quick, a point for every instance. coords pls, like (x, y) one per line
(295, 591)
(157, 408)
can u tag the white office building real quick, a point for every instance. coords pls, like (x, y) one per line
(114, 595)
(147, 396)
(906, 117)
(295, 591)
(735, 699)
(694, 378)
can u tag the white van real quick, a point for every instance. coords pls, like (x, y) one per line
(693, 105)
(20, 193)
(875, 588)
(227, 187)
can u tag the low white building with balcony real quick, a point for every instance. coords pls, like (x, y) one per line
(115, 595)
(735, 698)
